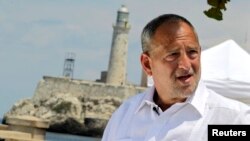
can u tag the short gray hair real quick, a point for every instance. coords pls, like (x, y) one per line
(151, 27)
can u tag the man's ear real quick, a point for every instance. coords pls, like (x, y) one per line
(146, 63)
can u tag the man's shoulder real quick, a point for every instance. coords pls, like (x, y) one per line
(227, 110)
(216, 100)
(128, 107)
(133, 100)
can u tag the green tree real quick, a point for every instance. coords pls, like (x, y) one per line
(215, 11)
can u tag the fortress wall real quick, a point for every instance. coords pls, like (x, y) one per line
(49, 86)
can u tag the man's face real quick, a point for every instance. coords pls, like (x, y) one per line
(174, 60)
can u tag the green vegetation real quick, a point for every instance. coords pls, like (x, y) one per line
(215, 11)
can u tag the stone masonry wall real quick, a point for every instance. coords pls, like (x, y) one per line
(74, 106)
(49, 86)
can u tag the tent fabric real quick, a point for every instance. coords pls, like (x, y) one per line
(230, 88)
(226, 70)
(226, 61)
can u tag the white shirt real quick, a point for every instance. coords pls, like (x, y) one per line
(136, 119)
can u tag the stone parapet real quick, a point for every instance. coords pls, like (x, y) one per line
(50, 86)
(23, 128)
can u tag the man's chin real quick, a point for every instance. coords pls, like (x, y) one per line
(187, 89)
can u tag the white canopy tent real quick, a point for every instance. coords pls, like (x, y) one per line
(226, 70)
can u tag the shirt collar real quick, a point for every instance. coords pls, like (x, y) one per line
(147, 99)
(197, 100)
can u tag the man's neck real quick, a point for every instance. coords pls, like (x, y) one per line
(165, 104)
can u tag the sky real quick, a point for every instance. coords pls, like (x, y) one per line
(35, 36)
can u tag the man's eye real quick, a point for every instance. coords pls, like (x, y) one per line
(193, 53)
(171, 56)
(174, 54)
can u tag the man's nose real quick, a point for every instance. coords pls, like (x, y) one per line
(184, 62)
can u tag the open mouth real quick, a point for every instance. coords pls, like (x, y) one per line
(184, 78)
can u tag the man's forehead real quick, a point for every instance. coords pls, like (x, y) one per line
(171, 28)
(170, 31)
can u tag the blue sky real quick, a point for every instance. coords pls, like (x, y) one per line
(36, 34)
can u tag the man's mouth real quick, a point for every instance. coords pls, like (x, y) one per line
(184, 78)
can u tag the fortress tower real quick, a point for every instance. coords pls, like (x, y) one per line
(118, 56)
(68, 68)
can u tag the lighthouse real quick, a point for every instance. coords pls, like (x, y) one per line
(118, 55)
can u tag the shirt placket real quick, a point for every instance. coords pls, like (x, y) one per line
(160, 123)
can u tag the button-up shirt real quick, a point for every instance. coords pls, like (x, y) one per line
(140, 119)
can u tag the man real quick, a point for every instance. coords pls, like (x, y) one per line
(178, 107)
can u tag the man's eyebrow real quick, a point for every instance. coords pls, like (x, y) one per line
(193, 47)
(172, 50)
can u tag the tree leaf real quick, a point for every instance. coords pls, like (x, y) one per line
(213, 3)
(214, 13)
(220, 4)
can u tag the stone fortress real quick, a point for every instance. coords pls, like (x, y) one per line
(84, 107)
